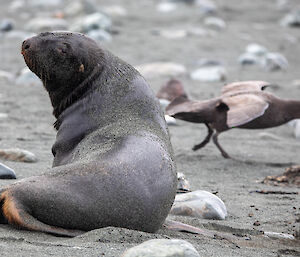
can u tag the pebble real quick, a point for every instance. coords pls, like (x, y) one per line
(209, 74)
(83, 7)
(200, 204)
(115, 10)
(183, 185)
(6, 25)
(291, 19)
(206, 6)
(296, 125)
(95, 21)
(156, 69)
(164, 103)
(162, 248)
(28, 78)
(99, 35)
(275, 61)
(277, 235)
(248, 59)
(173, 34)
(170, 120)
(3, 115)
(215, 23)
(46, 24)
(18, 155)
(6, 172)
(166, 7)
(256, 49)
(5, 75)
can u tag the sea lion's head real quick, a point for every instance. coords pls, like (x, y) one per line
(61, 59)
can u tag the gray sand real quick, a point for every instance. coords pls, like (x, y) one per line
(29, 126)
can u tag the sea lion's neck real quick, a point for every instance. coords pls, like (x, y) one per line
(292, 108)
(65, 96)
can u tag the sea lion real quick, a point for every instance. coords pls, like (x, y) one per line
(242, 104)
(113, 161)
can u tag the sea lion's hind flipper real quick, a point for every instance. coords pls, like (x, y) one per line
(14, 213)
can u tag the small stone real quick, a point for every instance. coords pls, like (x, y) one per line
(6, 172)
(95, 21)
(164, 103)
(83, 7)
(209, 74)
(28, 78)
(275, 61)
(269, 136)
(256, 49)
(115, 10)
(170, 120)
(46, 24)
(183, 185)
(156, 69)
(3, 115)
(215, 23)
(277, 235)
(206, 6)
(296, 125)
(173, 34)
(248, 59)
(291, 20)
(5, 75)
(256, 223)
(6, 25)
(18, 155)
(200, 204)
(250, 215)
(162, 248)
(166, 7)
(201, 32)
(99, 35)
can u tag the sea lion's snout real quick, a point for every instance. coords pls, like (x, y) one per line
(26, 45)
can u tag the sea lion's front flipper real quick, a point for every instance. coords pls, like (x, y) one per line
(244, 108)
(14, 213)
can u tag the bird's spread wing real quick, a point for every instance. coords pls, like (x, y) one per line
(244, 108)
(244, 86)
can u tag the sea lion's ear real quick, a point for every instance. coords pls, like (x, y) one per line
(81, 68)
(222, 107)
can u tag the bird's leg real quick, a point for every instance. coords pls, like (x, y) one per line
(215, 139)
(206, 140)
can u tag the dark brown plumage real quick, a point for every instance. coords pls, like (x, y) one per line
(241, 105)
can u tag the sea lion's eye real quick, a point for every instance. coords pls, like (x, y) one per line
(62, 50)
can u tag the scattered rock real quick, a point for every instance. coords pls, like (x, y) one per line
(28, 78)
(83, 7)
(256, 223)
(296, 125)
(200, 204)
(166, 7)
(206, 6)
(5, 75)
(215, 23)
(6, 25)
(170, 120)
(99, 35)
(209, 74)
(279, 235)
(201, 32)
(256, 49)
(18, 155)
(291, 176)
(173, 34)
(46, 24)
(291, 19)
(115, 10)
(164, 103)
(269, 136)
(157, 69)
(95, 21)
(162, 248)
(183, 185)
(6, 172)
(3, 115)
(275, 61)
(45, 4)
(248, 59)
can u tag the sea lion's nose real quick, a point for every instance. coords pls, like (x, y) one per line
(26, 45)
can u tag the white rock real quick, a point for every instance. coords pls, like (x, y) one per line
(27, 77)
(5, 75)
(256, 49)
(164, 103)
(209, 74)
(99, 35)
(3, 115)
(162, 248)
(95, 21)
(206, 6)
(170, 120)
(6, 172)
(292, 19)
(173, 34)
(215, 23)
(16, 154)
(166, 7)
(156, 69)
(275, 61)
(248, 59)
(279, 235)
(115, 10)
(46, 24)
(200, 204)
